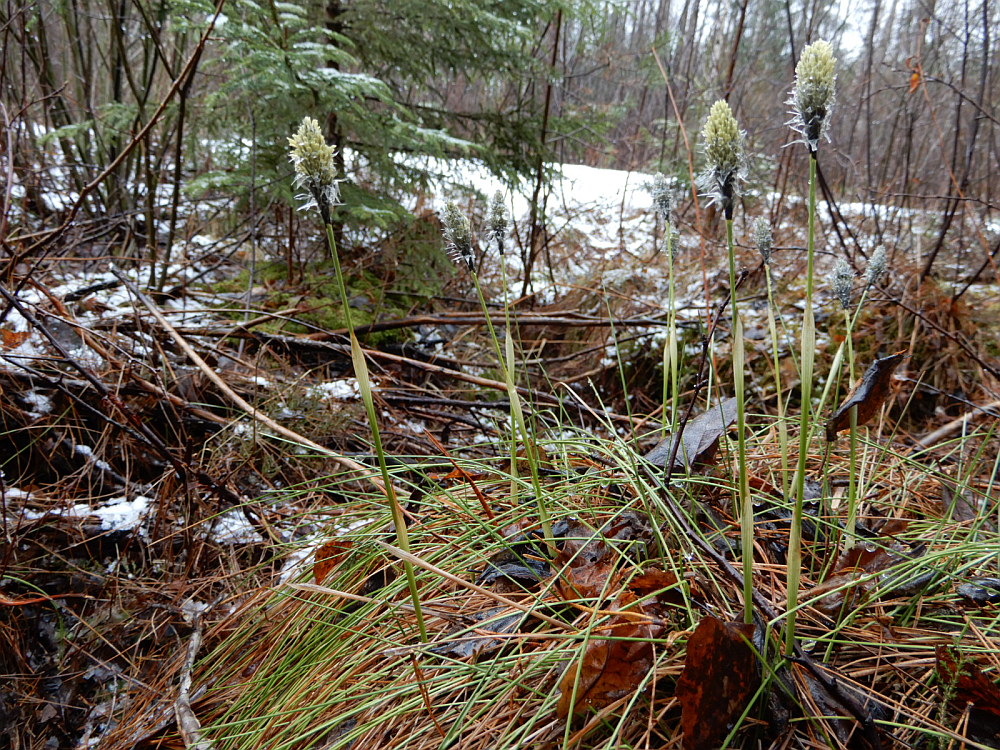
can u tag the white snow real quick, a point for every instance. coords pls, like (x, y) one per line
(347, 389)
(232, 527)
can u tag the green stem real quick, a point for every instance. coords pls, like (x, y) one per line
(808, 353)
(852, 486)
(782, 427)
(746, 504)
(361, 372)
(510, 369)
(518, 414)
(670, 350)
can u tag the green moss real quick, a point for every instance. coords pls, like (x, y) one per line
(412, 269)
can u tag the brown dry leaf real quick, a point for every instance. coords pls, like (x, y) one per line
(719, 679)
(700, 438)
(868, 395)
(839, 595)
(328, 557)
(586, 567)
(12, 339)
(611, 669)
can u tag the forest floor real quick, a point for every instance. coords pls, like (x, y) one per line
(192, 532)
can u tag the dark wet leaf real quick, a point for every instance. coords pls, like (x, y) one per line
(868, 395)
(471, 644)
(528, 572)
(719, 679)
(843, 705)
(853, 583)
(588, 559)
(982, 590)
(611, 669)
(699, 438)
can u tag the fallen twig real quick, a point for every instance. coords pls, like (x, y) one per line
(236, 398)
(187, 722)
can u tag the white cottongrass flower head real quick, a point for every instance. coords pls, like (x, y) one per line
(458, 235)
(763, 239)
(726, 168)
(499, 222)
(663, 198)
(315, 169)
(877, 265)
(814, 93)
(842, 281)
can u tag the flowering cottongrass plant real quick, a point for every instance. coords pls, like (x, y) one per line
(812, 102)
(873, 273)
(842, 283)
(814, 94)
(315, 170)
(663, 202)
(764, 241)
(877, 266)
(458, 234)
(721, 181)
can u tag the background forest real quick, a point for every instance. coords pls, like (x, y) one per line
(272, 478)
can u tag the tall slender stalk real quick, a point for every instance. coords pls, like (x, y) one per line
(875, 270)
(807, 359)
(722, 181)
(765, 245)
(782, 425)
(518, 414)
(316, 171)
(459, 236)
(746, 503)
(812, 102)
(361, 373)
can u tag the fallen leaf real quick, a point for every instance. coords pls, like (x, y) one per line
(610, 669)
(12, 339)
(328, 557)
(719, 679)
(699, 438)
(868, 395)
(528, 573)
(841, 594)
(981, 590)
(586, 566)
(469, 645)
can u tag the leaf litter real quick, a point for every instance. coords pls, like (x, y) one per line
(638, 591)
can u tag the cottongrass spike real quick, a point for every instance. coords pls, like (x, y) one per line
(499, 221)
(315, 168)
(458, 234)
(663, 199)
(842, 281)
(763, 239)
(726, 167)
(814, 93)
(877, 266)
